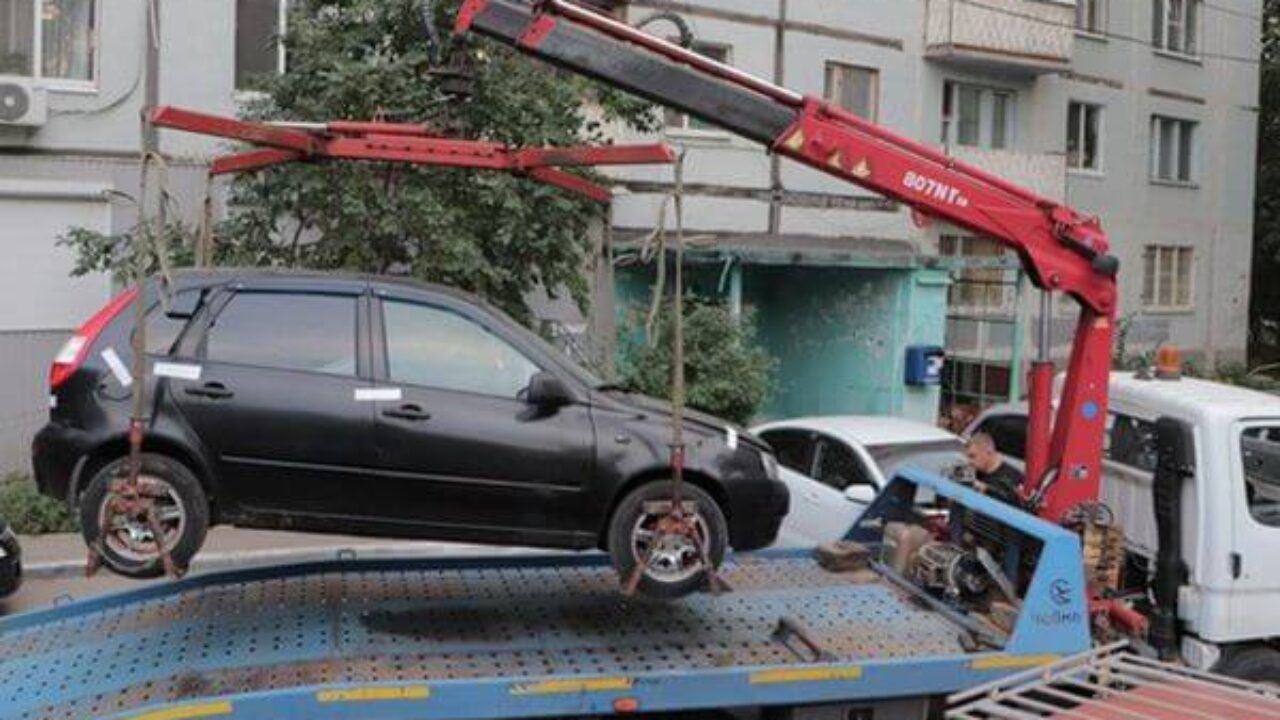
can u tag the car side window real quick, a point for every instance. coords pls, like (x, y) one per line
(436, 348)
(287, 331)
(1132, 443)
(163, 331)
(1009, 433)
(794, 449)
(838, 467)
(1260, 454)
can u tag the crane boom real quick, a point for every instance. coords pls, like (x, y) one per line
(1061, 249)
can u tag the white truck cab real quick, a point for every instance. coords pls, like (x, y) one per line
(1228, 606)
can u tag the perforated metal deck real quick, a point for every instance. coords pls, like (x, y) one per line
(379, 622)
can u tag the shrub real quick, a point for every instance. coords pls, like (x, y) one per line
(30, 513)
(727, 373)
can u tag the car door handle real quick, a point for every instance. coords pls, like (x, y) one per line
(412, 413)
(213, 391)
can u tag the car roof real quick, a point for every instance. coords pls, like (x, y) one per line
(1187, 397)
(866, 429)
(208, 276)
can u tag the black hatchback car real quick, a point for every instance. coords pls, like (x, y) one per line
(10, 561)
(385, 407)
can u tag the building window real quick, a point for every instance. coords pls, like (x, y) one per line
(1167, 277)
(1175, 26)
(677, 120)
(976, 116)
(1173, 149)
(856, 89)
(61, 33)
(1091, 16)
(984, 287)
(1084, 136)
(260, 25)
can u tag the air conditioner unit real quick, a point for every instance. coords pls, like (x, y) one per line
(22, 104)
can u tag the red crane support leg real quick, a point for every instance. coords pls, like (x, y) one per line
(1039, 423)
(1076, 450)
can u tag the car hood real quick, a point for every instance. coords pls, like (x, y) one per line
(694, 419)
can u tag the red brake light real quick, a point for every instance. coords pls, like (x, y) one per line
(73, 353)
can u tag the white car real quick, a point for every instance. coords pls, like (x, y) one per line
(835, 466)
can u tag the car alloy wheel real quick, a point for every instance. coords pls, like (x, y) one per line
(130, 535)
(672, 557)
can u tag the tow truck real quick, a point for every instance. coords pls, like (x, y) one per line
(920, 616)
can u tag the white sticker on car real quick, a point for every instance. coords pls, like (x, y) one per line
(117, 368)
(731, 437)
(177, 371)
(379, 394)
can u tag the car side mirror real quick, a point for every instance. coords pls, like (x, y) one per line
(548, 391)
(861, 494)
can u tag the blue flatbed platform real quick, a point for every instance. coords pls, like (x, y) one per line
(492, 637)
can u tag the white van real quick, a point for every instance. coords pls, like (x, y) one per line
(1230, 509)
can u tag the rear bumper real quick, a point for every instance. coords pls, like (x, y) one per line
(756, 514)
(10, 566)
(55, 454)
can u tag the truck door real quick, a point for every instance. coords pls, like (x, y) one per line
(1255, 494)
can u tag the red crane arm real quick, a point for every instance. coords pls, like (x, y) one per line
(404, 143)
(1061, 249)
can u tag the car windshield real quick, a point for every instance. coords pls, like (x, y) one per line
(939, 457)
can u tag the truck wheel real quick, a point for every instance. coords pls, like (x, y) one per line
(675, 568)
(1253, 664)
(128, 545)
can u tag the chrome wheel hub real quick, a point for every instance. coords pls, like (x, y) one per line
(127, 528)
(671, 556)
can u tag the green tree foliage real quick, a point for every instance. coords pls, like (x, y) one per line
(491, 233)
(30, 513)
(727, 372)
(1265, 315)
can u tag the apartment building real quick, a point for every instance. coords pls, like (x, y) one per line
(74, 78)
(1143, 112)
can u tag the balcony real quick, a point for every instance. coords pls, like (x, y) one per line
(1020, 36)
(1043, 174)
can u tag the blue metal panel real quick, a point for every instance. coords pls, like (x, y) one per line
(509, 637)
(1054, 617)
(468, 638)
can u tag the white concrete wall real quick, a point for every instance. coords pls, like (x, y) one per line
(80, 169)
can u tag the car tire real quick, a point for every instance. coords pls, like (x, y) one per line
(183, 504)
(627, 524)
(1252, 664)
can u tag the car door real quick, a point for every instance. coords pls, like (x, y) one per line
(460, 450)
(819, 512)
(274, 397)
(845, 484)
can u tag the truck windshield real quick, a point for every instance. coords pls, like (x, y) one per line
(1260, 453)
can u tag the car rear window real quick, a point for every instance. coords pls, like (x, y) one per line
(1009, 433)
(287, 331)
(163, 330)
